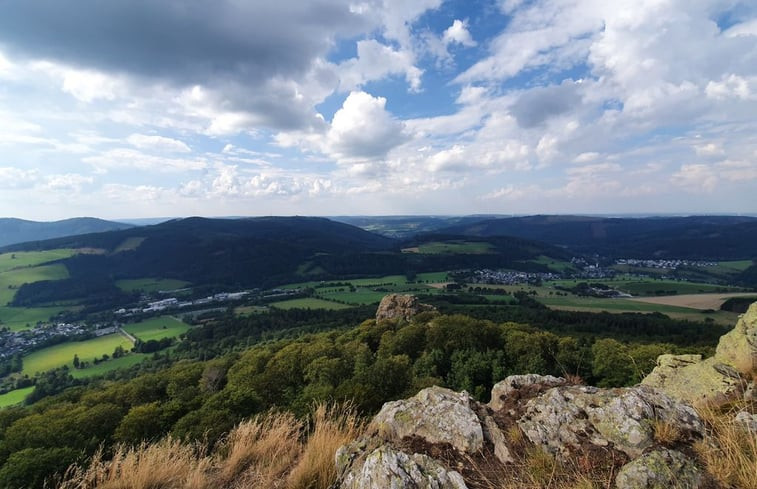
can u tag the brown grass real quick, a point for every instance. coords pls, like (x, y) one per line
(729, 451)
(665, 432)
(270, 451)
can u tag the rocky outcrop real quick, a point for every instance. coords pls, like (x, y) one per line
(386, 467)
(435, 414)
(660, 469)
(398, 306)
(716, 380)
(564, 418)
(429, 440)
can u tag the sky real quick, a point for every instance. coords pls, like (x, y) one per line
(143, 108)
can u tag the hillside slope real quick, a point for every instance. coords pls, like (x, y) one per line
(19, 231)
(694, 237)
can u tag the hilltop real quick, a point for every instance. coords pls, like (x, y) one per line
(20, 231)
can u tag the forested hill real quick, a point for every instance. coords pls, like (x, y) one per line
(694, 237)
(19, 231)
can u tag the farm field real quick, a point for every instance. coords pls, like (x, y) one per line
(129, 244)
(694, 301)
(19, 259)
(308, 303)
(653, 287)
(556, 265)
(108, 366)
(150, 284)
(452, 248)
(10, 280)
(157, 328)
(249, 310)
(17, 318)
(426, 277)
(63, 354)
(15, 397)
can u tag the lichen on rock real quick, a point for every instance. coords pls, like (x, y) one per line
(660, 469)
(401, 306)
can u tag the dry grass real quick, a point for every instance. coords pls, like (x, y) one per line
(729, 451)
(267, 452)
(166, 464)
(665, 432)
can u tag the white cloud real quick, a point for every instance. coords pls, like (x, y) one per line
(376, 61)
(158, 143)
(70, 182)
(129, 158)
(12, 178)
(458, 33)
(363, 129)
(696, 178)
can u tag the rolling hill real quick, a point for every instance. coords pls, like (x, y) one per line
(694, 237)
(19, 231)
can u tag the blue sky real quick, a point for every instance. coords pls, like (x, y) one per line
(216, 107)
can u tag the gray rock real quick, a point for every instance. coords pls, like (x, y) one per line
(660, 469)
(386, 467)
(399, 306)
(435, 414)
(747, 420)
(565, 417)
(507, 387)
(738, 347)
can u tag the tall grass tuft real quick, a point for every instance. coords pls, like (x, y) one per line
(729, 449)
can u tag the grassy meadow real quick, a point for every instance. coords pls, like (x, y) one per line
(20, 318)
(308, 303)
(157, 328)
(21, 259)
(14, 397)
(113, 364)
(150, 284)
(63, 354)
(11, 280)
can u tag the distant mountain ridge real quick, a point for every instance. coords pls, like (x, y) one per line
(693, 237)
(14, 230)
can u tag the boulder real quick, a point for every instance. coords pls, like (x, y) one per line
(399, 306)
(386, 467)
(689, 378)
(436, 415)
(747, 420)
(738, 347)
(716, 380)
(660, 469)
(513, 384)
(564, 418)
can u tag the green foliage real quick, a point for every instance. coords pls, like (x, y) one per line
(31, 467)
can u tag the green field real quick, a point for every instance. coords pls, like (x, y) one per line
(19, 259)
(430, 277)
(308, 303)
(129, 244)
(15, 397)
(249, 310)
(113, 364)
(554, 264)
(11, 280)
(18, 318)
(150, 284)
(63, 354)
(157, 328)
(454, 248)
(652, 287)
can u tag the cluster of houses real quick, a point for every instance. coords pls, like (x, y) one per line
(174, 303)
(668, 264)
(502, 277)
(13, 342)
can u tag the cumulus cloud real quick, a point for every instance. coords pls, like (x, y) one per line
(375, 61)
(362, 129)
(696, 178)
(458, 33)
(535, 106)
(132, 159)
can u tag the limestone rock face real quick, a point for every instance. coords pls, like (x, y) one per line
(716, 380)
(512, 384)
(693, 380)
(660, 469)
(398, 306)
(565, 417)
(738, 347)
(386, 467)
(436, 415)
